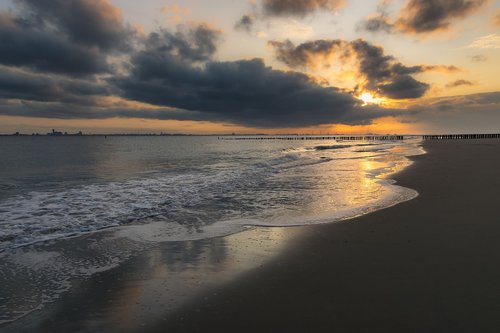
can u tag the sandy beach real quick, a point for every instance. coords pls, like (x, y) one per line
(430, 264)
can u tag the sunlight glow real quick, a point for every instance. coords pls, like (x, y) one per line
(368, 98)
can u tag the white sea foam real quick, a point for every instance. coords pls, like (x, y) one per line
(42, 216)
(158, 231)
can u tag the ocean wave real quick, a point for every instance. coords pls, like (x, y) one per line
(42, 216)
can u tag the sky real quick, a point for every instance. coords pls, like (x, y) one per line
(258, 66)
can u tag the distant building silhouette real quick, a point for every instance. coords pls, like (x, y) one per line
(55, 133)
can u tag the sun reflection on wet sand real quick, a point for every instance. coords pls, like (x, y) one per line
(174, 272)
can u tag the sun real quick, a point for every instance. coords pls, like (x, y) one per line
(368, 98)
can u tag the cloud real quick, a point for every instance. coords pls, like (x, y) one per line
(459, 83)
(375, 23)
(88, 22)
(66, 37)
(245, 23)
(381, 73)
(379, 21)
(16, 84)
(403, 87)
(190, 44)
(358, 116)
(243, 92)
(486, 42)
(50, 67)
(172, 75)
(308, 54)
(58, 110)
(422, 17)
(465, 113)
(27, 45)
(299, 8)
(290, 28)
(175, 12)
(495, 19)
(485, 101)
(479, 58)
(447, 69)
(427, 16)
(295, 9)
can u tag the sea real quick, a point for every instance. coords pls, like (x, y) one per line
(153, 189)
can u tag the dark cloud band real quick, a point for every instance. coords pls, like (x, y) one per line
(422, 17)
(67, 37)
(299, 8)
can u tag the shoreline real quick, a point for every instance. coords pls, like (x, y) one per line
(411, 267)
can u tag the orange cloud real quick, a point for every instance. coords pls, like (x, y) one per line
(441, 68)
(459, 83)
(486, 42)
(495, 19)
(175, 13)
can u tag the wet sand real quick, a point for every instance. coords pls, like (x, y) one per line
(431, 264)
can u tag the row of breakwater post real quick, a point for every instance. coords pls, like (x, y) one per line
(363, 137)
(460, 136)
(311, 137)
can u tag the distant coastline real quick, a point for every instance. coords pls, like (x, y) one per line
(354, 137)
(60, 134)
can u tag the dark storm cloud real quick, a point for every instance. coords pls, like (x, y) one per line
(299, 8)
(245, 23)
(459, 83)
(305, 55)
(174, 72)
(422, 16)
(88, 22)
(15, 84)
(383, 73)
(244, 92)
(72, 37)
(23, 44)
(377, 66)
(403, 87)
(426, 16)
(54, 110)
(266, 9)
(196, 44)
(58, 110)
